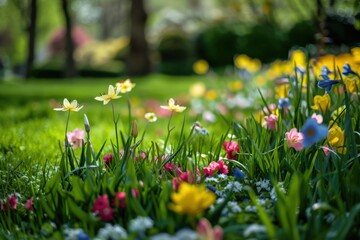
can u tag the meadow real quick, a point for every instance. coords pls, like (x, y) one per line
(255, 152)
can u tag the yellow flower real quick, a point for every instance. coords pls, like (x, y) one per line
(112, 94)
(236, 85)
(352, 83)
(125, 86)
(321, 102)
(172, 107)
(336, 136)
(191, 199)
(336, 113)
(151, 117)
(201, 67)
(298, 58)
(67, 106)
(211, 95)
(198, 89)
(282, 91)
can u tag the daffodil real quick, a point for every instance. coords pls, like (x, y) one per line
(125, 86)
(67, 106)
(112, 94)
(321, 103)
(191, 199)
(172, 107)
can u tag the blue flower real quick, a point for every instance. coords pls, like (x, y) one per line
(283, 103)
(211, 188)
(325, 71)
(313, 132)
(239, 174)
(327, 83)
(347, 70)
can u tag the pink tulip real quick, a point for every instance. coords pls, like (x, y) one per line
(270, 121)
(294, 139)
(317, 117)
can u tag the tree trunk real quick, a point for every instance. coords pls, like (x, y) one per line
(31, 38)
(138, 61)
(70, 68)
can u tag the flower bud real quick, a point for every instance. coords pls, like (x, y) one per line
(134, 129)
(86, 123)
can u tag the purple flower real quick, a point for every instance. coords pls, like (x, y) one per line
(313, 132)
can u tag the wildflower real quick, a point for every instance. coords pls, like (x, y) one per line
(75, 234)
(326, 149)
(150, 116)
(172, 107)
(29, 203)
(235, 187)
(125, 86)
(187, 177)
(327, 83)
(313, 132)
(108, 159)
(67, 106)
(102, 208)
(347, 70)
(112, 232)
(283, 103)
(213, 167)
(191, 199)
(294, 139)
(321, 103)
(199, 130)
(120, 199)
(325, 71)
(238, 173)
(206, 231)
(201, 67)
(254, 229)
(263, 184)
(317, 117)
(76, 137)
(112, 94)
(336, 138)
(270, 121)
(12, 200)
(232, 149)
(140, 224)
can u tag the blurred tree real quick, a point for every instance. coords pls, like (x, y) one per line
(138, 60)
(70, 67)
(31, 38)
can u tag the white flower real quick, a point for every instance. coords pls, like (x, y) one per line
(73, 234)
(112, 232)
(222, 176)
(141, 224)
(254, 229)
(234, 207)
(234, 187)
(263, 184)
(211, 180)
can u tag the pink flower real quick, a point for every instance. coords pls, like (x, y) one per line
(187, 177)
(270, 121)
(206, 231)
(326, 149)
(141, 156)
(108, 159)
(175, 183)
(271, 107)
(294, 139)
(214, 167)
(317, 117)
(169, 167)
(120, 199)
(76, 137)
(102, 208)
(232, 149)
(29, 203)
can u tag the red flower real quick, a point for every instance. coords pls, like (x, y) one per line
(12, 201)
(213, 167)
(102, 208)
(232, 149)
(108, 159)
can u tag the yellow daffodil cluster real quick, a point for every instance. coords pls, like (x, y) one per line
(336, 139)
(191, 199)
(321, 103)
(249, 64)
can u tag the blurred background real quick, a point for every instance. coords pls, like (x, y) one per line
(110, 38)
